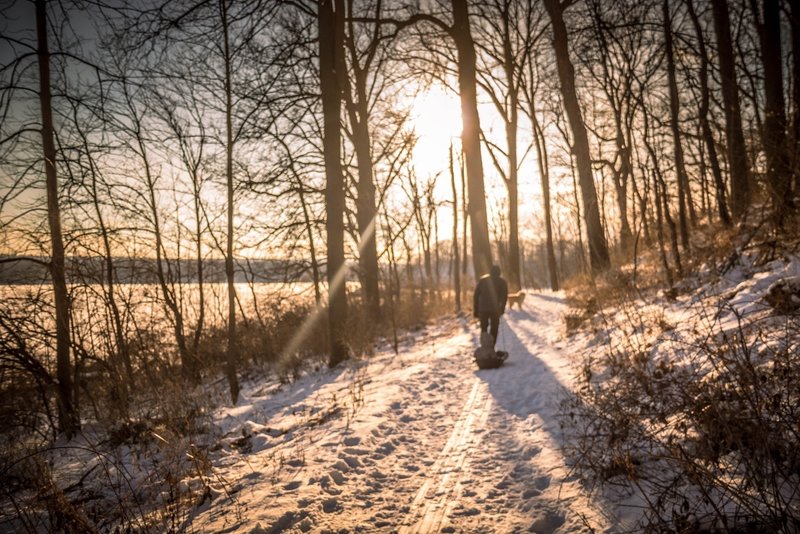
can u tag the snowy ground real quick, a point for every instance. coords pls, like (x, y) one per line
(421, 441)
(418, 442)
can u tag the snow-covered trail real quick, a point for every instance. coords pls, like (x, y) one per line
(419, 442)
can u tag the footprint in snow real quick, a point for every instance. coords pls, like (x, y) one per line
(386, 428)
(386, 448)
(325, 483)
(531, 452)
(356, 451)
(341, 466)
(337, 477)
(352, 461)
(330, 505)
(503, 484)
(542, 483)
(530, 493)
(547, 524)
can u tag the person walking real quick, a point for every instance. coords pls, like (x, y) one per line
(489, 301)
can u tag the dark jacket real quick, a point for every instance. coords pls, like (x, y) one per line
(491, 295)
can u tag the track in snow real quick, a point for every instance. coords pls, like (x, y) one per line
(435, 445)
(440, 491)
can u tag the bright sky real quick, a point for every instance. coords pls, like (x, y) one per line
(437, 121)
(436, 118)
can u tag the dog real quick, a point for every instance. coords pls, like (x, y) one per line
(516, 298)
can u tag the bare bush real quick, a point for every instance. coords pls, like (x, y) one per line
(699, 422)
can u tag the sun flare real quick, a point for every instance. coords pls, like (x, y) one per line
(436, 120)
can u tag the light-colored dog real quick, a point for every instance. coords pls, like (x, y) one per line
(516, 298)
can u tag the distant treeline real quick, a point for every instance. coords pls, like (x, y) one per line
(15, 270)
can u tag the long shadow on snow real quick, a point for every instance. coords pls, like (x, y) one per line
(287, 399)
(525, 385)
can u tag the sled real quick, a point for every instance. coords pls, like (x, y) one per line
(491, 361)
(485, 355)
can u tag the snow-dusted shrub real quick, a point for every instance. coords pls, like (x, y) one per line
(693, 414)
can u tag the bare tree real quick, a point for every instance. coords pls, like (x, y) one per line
(232, 352)
(532, 85)
(68, 417)
(737, 155)
(356, 98)
(598, 248)
(455, 266)
(331, 18)
(774, 131)
(506, 34)
(705, 124)
(682, 178)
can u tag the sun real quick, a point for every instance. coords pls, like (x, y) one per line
(436, 119)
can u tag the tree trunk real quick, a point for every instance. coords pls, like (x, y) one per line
(201, 305)
(737, 157)
(331, 32)
(616, 98)
(794, 154)
(232, 353)
(677, 148)
(68, 417)
(660, 232)
(366, 214)
(620, 178)
(774, 132)
(470, 139)
(598, 248)
(456, 258)
(465, 213)
(705, 125)
(512, 179)
(544, 175)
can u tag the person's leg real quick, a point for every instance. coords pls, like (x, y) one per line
(495, 325)
(484, 318)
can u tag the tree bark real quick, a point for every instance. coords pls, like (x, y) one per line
(512, 179)
(366, 213)
(794, 153)
(774, 131)
(544, 175)
(705, 125)
(331, 32)
(617, 96)
(737, 157)
(465, 213)
(598, 248)
(68, 417)
(232, 352)
(682, 178)
(456, 259)
(470, 139)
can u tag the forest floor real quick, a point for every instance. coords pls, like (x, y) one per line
(421, 441)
